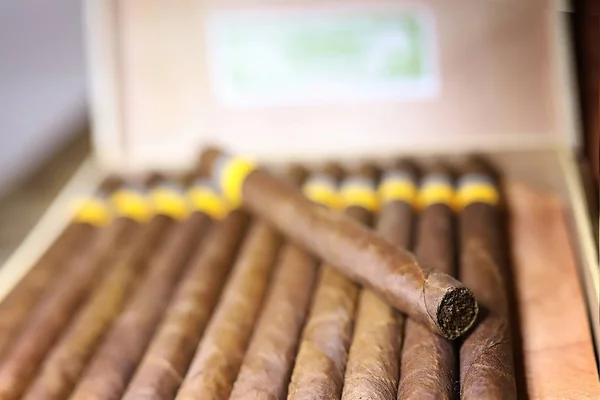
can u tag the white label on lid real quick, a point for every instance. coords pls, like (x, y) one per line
(322, 56)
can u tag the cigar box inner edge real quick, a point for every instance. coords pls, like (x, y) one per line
(550, 171)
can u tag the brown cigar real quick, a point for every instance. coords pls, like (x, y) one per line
(57, 306)
(319, 369)
(268, 363)
(64, 365)
(372, 368)
(219, 354)
(433, 298)
(486, 356)
(428, 360)
(16, 307)
(164, 364)
(113, 364)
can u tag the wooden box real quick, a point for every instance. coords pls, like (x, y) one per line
(307, 80)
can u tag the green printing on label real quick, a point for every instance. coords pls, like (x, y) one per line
(322, 55)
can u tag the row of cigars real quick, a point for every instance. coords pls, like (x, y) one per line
(171, 293)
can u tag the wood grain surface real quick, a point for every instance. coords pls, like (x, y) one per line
(557, 345)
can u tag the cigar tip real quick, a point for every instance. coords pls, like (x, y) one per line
(207, 158)
(296, 173)
(143, 179)
(367, 170)
(211, 150)
(407, 166)
(479, 165)
(439, 167)
(334, 170)
(150, 179)
(186, 178)
(456, 312)
(110, 183)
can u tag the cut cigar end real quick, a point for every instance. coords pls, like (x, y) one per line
(456, 312)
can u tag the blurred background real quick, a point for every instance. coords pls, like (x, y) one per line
(43, 120)
(43, 124)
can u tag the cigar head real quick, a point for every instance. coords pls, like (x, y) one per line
(143, 181)
(456, 307)
(407, 166)
(187, 178)
(368, 171)
(477, 165)
(149, 180)
(439, 168)
(295, 174)
(333, 170)
(110, 183)
(207, 160)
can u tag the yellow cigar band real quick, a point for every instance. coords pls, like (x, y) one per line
(132, 204)
(232, 178)
(435, 193)
(169, 202)
(93, 211)
(321, 193)
(355, 195)
(397, 190)
(476, 192)
(207, 201)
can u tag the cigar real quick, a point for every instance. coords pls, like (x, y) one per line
(268, 362)
(90, 214)
(428, 360)
(219, 355)
(432, 298)
(319, 369)
(486, 355)
(114, 363)
(57, 306)
(372, 368)
(64, 365)
(168, 357)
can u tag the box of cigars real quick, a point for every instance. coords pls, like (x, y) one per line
(304, 199)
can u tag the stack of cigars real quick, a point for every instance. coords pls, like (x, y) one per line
(235, 281)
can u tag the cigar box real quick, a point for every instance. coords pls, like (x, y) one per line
(586, 24)
(309, 81)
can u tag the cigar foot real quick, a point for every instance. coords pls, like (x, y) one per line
(457, 312)
(450, 305)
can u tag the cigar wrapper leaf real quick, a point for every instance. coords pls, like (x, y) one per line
(428, 360)
(321, 361)
(435, 299)
(372, 369)
(267, 365)
(114, 363)
(55, 309)
(66, 362)
(168, 357)
(89, 214)
(219, 355)
(486, 354)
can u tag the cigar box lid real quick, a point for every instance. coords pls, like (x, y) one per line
(334, 78)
